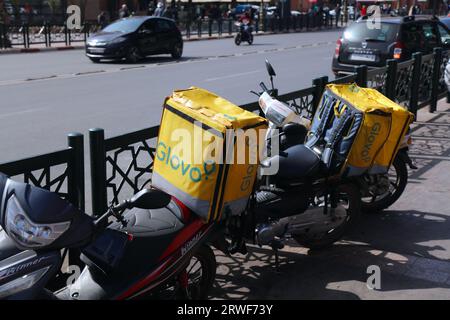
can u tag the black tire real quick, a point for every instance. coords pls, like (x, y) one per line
(133, 54)
(250, 39)
(238, 39)
(177, 50)
(400, 175)
(95, 60)
(350, 193)
(200, 290)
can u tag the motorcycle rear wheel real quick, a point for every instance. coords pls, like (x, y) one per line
(349, 194)
(250, 39)
(398, 179)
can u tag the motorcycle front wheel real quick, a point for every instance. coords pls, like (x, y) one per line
(237, 39)
(349, 198)
(385, 190)
(200, 273)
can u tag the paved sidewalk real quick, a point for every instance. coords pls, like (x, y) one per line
(80, 45)
(409, 242)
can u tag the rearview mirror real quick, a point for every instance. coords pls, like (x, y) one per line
(270, 69)
(149, 199)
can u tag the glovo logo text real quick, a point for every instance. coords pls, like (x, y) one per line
(174, 162)
(374, 132)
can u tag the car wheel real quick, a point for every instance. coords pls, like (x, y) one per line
(133, 54)
(177, 50)
(95, 60)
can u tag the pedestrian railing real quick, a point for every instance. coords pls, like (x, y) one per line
(48, 34)
(122, 165)
(60, 171)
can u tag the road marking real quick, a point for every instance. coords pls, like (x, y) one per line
(232, 75)
(41, 78)
(18, 113)
(152, 65)
(89, 72)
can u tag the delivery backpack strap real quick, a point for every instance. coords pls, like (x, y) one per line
(344, 117)
(323, 116)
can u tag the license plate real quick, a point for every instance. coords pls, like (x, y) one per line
(96, 50)
(362, 57)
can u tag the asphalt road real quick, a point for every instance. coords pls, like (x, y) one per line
(44, 96)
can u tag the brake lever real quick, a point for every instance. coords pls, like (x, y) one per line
(263, 86)
(255, 93)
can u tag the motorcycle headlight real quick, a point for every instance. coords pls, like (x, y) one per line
(26, 232)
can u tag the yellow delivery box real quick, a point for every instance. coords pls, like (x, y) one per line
(207, 153)
(359, 129)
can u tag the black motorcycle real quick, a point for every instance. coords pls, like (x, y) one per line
(244, 33)
(305, 199)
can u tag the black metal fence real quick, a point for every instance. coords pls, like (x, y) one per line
(122, 165)
(25, 35)
(45, 34)
(60, 171)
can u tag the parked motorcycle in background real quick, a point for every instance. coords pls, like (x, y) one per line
(303, 200)
(380, 191)
(245, 32)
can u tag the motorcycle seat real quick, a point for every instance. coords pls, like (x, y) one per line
(296, 163)
(151, 231)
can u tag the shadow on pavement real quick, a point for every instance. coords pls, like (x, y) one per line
(409, 232)
(336, 273)
(431, 144)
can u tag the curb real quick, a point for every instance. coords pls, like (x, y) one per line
(228, 36)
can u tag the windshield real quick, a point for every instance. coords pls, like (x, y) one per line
(124, 26)
(362, 31)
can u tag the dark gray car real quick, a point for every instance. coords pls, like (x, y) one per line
(362, 43)
(134, 38)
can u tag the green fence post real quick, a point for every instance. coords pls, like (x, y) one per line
(415, 86)
(98, 171)
(435, 78)
(391, 78)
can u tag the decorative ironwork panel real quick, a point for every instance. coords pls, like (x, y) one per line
(15, 35)
(129, 169)
(445, 58)
(404, 83)
(52, 178)
(301, 102)
(57, 34)
(376, 79)
(36, 34)
(426, 78)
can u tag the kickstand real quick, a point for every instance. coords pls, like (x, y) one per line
(277, 245)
